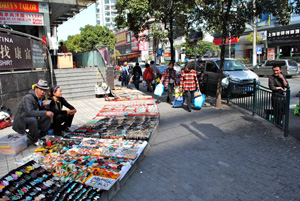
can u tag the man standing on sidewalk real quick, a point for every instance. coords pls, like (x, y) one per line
(278, 84)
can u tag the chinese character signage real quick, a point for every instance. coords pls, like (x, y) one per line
(20, 18)
(143, 43)
(39, 57)
(290, 33)
(121, 38)
(271, 53)
(18, 52)
(134, 43)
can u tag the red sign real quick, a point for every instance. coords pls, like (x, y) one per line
(23, 6)
(168, 54)
(20, 18)
(218, 41)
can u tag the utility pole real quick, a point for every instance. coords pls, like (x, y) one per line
(254, 56)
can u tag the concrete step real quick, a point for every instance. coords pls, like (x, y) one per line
(83, 95)
(71, 70)
(77, 83)
(78, 89)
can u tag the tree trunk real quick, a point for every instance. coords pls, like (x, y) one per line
(224, 35)
(171, 39)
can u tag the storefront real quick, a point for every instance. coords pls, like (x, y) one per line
(285, 41)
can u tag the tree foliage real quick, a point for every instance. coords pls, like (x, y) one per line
(172, 14)
(202, 47)
(89, 38)
(250, 37)
(231, 16)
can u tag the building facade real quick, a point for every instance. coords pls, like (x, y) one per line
(106, 13)
(275, 41)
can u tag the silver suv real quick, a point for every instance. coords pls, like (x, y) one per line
(289, 67)
(234, 72)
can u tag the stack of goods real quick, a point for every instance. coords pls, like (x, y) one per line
(137, 109)
(104, 160)
(32, 182)
(125, 94)
(91, 158)
(130, 127)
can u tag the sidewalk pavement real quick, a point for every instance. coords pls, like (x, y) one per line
(208, 154)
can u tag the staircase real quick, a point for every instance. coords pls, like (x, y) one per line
(77, 83)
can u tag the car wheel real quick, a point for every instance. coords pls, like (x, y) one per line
(289, 76)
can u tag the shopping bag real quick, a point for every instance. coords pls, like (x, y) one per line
(198, 101)
(177, 92)
(197, 93)
(158, 80)
(153, 81)
(178, 102)
(159, 90)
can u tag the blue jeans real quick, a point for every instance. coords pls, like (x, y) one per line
(124, 80)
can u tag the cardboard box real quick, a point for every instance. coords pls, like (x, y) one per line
(12, 144)
(65, 60)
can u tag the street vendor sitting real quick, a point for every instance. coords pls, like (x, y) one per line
(62, 119)
(32, 114)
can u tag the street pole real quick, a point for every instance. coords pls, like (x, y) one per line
(229, 54)
(195, 54)
(254, 60)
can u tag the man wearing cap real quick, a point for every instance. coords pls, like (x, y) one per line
(32, 114)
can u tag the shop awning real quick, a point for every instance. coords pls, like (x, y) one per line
(61, 11)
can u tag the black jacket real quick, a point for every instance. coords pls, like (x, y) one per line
(56, 107)
(136, 69)
(28, 107)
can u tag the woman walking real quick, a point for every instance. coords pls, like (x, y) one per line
(148, 77)
(189, 83)
(168, 79)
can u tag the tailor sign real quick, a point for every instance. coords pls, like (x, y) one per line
(24, 6)
(20, 18)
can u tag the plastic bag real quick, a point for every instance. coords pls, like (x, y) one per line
(158, 80)
(159, 90)
(199, 101)
(178, 102)
(177, 92)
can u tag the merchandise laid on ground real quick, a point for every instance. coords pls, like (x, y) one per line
(87, 162)
(125, 94)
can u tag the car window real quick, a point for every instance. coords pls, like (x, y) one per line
(211, 67)
(281, 63)
(292, 63)
(232, 65)
(269, 63)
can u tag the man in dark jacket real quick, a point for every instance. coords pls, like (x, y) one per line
(278, 84)
(137, 73)
(32, 114)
